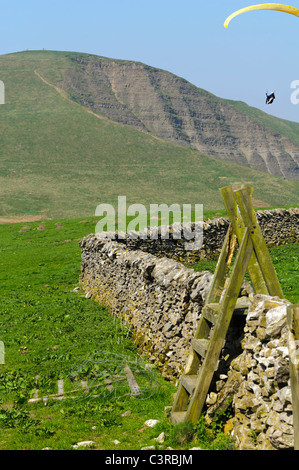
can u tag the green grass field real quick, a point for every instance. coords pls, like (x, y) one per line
(51, 331)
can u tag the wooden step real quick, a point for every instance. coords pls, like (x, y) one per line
(178, 416)
(243, 302)
(211, 311)
(242, 306)
(200, 346)
(189, 382)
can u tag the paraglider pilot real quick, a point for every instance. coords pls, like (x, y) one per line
(270, 98)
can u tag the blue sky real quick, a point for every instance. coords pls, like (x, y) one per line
(258, 51)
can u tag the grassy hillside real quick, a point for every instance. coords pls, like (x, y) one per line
(50, 331)
(57, 159)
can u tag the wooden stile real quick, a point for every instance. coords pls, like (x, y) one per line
(222, 301)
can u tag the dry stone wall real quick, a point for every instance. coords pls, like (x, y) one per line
(279, 226)
(162, 300)
(159, 297)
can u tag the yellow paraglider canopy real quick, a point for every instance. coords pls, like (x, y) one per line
(264, 6)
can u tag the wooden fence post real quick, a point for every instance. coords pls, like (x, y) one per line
(293, 344)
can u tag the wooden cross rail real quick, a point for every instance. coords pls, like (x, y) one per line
(62, 394)
(222, 300)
